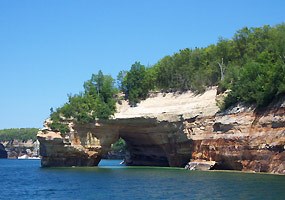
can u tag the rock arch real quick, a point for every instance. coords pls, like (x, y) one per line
(150, 143)
(169, 130)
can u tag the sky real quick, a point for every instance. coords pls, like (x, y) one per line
(48, 48)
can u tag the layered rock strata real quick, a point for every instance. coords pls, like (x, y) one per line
(83, 146)
(241, 139)
(172, 129)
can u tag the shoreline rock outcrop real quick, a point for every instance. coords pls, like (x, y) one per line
(173, 129)
(201, 165)
(18, 148)
(3, 152)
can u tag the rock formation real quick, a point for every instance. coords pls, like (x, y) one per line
(201, 165)
(3, 152)
(173, 129)
(242, 139)
(18, 148)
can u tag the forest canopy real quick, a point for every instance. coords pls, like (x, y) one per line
(251, 66)
(22, 134)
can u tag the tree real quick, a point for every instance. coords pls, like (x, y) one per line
(135, 84)
(120, 80)
(222, 69)
(97, 101)
(23, 134)
(250, 66)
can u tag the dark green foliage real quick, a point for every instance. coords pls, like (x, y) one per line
(99, 96)
(257, 73)
(23, 134)
(255, 84)
(119, 146)
(120, 80)
(137, 83)
(57, 126)
(251, 65)
(279, 77)
(97, 101)
(57, 123)
(187, 70)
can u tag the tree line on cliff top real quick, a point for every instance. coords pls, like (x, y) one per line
(251, 66)
(22, 134)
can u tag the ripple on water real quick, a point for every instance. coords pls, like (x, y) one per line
(22, 179)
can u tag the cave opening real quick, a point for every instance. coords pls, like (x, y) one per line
(117, 151)
(136, 148)
(143, 147)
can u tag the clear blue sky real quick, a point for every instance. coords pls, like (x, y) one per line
(48, 48)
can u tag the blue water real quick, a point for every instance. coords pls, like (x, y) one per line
(25, 179)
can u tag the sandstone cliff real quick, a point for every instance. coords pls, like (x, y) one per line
(17, 148)
(172, 129)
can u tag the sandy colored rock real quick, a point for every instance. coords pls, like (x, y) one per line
(18, 148)
(164, 106)
(170, 129)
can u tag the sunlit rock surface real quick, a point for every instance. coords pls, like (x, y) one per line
(19, 148)
(173, 129)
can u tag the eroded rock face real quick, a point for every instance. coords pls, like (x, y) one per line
(171, 130)
(3, 152)
(17, 148)
(83, 146)
(251, 143)
(150, 142)
(155, 143)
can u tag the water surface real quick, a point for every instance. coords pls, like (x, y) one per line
(25, 179)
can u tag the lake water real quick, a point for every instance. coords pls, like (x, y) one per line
(25, 179)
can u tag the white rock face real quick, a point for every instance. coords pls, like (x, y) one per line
(164, 105)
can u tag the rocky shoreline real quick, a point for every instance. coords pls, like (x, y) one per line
(3, 152)
(17, 148)
(175, 129)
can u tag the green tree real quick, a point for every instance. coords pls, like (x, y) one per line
(120, 80)
(136, 83)
(258, 76)
(255, 85)
(250, 65)
(97, 101)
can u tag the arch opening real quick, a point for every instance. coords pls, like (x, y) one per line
(117, 150)
(142, 149)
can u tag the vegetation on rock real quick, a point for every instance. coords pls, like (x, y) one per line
(256, 73)
(251, 66)
(136, 84)
(119, 146)
(97, 101)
